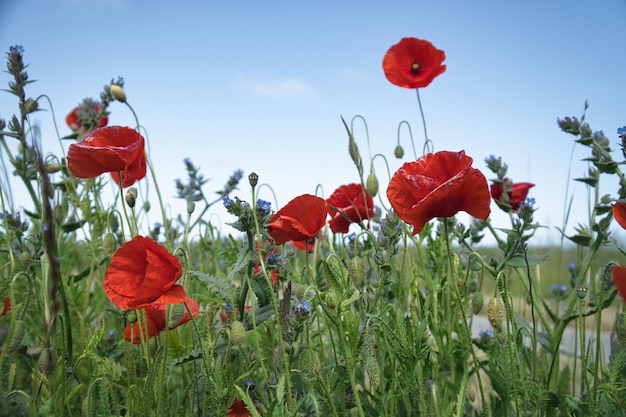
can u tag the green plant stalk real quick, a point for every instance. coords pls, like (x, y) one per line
(511, 329)
(274, 306)
(584, 383)
(468, 332)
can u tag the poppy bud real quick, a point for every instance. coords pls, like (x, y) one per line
(356, 272)
(46, 361)
(31, 105)
(146, 206)
(108, 244)
(58, 213)
(309, 362)
(176, 314)
(238, 333)
(477, 303)
(131, 197)
(118, 92)
(372, 184)
(471, 394)
(398, 152)
(53, 167)
(495, 314)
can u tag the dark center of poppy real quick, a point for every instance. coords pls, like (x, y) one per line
(415, 67)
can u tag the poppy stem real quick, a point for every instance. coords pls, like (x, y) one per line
(428, 145)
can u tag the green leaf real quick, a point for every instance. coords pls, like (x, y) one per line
(519, 261)
(215, 284)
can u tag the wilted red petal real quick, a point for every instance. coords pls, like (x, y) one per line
(140, 272)
(619, 212)
(438, 185)
(115, 149)
(413, 63)
(301, 219)
(618, 274)
(349, 204)
(7, 306)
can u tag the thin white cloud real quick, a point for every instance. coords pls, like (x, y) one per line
(350, 74)
(282, 88)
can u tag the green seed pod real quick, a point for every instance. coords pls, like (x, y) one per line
(47, 361)
(238, 333)
(15, 337)
(356, 272)
(477, 302)
(176, 314)
(108, 244)
(398, 152)
(309, 362)
(495, 314)
(372, 184)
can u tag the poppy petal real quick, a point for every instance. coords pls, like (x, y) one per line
(619, 212)
(349, 204)
(140, 272)
(301, 219)
(114, 149)
(413, 63)
(618, 273)
(438, 185)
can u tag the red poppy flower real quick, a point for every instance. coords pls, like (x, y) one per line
(413, 63)
(156, 316)
(82, 118)
(240, 409)
(114, 149)
(301, 219)
(349, 204)
(142, 272)
(516, 194)
(438, 185)
(618, 273)
(619, 212)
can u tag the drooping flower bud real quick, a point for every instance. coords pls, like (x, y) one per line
(398, 152)
(372, 184)
(477, 302)
(238, 333)
(131, 197)
(495, 314)
(118, 92)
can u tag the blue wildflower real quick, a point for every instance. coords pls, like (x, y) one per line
(621, 131)
(227, 201)
(263, 205)
(17, 49)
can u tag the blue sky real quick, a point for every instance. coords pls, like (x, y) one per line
(262, 86)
